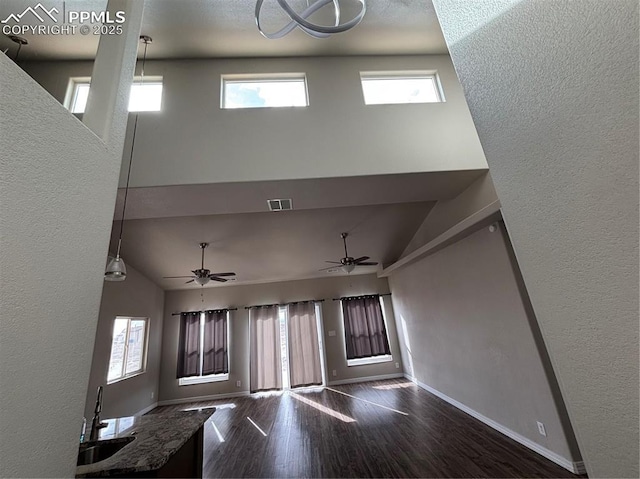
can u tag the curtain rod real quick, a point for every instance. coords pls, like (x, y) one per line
(204, 310)
(361, 296)
(284, 304)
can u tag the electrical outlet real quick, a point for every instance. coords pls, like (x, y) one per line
(541, 429)
(152, 394)
(334, 373)
(332, 332)
(238, 384)
(397, 365)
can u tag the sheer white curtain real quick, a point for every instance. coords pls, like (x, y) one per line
(304, 349)
(265, 349)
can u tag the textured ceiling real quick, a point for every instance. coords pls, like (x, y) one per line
(226, 28)
(263, 247)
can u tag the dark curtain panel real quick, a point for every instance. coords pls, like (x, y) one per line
(215, 359)
(304, 347)
(265, 349)
(365, 334)
(189, 345)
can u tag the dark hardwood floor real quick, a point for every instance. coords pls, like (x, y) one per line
(376, 429)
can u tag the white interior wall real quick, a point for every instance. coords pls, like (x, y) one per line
(553, 90)
(58, 190)
(193, 141)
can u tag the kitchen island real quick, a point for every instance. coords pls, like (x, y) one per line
(165, 445)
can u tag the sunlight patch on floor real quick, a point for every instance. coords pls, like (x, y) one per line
(257, 427)
(215, 428)
(321, 407)
(386, 387)
(369, 402)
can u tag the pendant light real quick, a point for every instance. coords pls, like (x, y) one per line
(300, 20)
(116, 269)
(20, 41)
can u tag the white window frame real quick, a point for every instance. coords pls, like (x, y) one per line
(259, 78)
(381, 358)
(209, 378)
(75, 82)
(402, 75)
(143, 366)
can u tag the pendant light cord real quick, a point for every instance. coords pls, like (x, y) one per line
(146, 41)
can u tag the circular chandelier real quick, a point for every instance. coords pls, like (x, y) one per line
(300, 20)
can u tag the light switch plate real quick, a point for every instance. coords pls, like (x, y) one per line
(332, 332)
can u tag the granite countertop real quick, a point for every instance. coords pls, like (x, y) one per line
(157, 438)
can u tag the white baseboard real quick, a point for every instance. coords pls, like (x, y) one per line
(147, 409)
(575, 467)
(365, 379)
(212, 397)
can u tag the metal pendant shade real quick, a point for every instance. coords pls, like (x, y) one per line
(116, 270)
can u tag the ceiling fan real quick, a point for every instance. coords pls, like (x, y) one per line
(202, 276)
(348, 263)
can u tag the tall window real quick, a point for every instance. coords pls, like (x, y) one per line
(128, 348)
(365, 331)
(145, 96)
(203, 347)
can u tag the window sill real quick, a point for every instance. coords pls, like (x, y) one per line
(128, 376)
(370, 360)
(211, 378)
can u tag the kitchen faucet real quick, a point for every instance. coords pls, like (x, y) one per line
(96, 424)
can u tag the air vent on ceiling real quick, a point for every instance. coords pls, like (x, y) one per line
(280, 205)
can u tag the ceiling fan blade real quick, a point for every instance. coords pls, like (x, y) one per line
(215, 278)
(176, 277)
(360, 259)
(333, 262)
(367, 263)
(190, 281)
(222, 274)
(330, 267)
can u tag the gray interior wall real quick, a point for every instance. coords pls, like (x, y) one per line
(134, 297)
(57, 194)
(270, 293)
(465, 331)
(447, 213)
(553, 89)
(193, 141)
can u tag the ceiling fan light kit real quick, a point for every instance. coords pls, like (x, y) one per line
(348, 268)
(300, 20)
